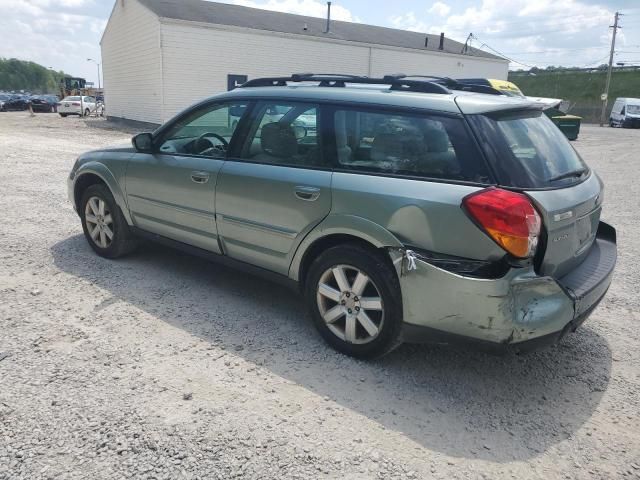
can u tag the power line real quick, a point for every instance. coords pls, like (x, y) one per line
(556, 50)
(500, 53)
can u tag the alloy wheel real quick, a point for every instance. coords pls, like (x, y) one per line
(99, 222)
(350, 304)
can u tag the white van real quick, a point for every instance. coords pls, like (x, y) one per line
(625, 113)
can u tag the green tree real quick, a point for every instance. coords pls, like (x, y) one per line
(29, 76)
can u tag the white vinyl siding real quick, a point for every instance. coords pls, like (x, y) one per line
(198, 59)
(132, 66)
(155, 67)
(385, 61)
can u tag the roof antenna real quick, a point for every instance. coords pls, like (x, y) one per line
(328, 18)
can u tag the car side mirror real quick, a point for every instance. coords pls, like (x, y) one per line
(143, 142)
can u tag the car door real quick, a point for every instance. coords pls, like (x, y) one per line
(171, 192)
(276, 187)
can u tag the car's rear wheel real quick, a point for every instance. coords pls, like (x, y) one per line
(87, 112)
(105, 228)
(354, 298)
(63, 115)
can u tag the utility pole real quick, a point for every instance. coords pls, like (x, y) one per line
(465, 48)
(605, 95)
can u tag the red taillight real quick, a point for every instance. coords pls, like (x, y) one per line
(509, 218)
(75, 104)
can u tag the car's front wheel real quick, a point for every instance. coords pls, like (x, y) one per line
(105, 228)
(353, 295)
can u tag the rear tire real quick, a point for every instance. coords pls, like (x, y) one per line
(63, 115)
(104, 226)
(87, 112)
(354, 298)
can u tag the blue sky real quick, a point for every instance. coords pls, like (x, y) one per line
(62, 34)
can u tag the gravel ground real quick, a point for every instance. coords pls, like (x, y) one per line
(163, 366)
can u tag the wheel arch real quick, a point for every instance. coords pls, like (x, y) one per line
(337, 230)
(96, 173)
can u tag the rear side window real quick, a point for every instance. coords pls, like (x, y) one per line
(400, 143)
(527, 150)
(284, 134)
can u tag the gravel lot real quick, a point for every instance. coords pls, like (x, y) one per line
(163, 366)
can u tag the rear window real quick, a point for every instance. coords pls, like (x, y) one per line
(408, 144)
(527, 150)
(72, 99)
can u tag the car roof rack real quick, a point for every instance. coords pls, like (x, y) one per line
(397, 81)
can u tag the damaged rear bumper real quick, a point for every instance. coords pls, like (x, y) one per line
(520, 311)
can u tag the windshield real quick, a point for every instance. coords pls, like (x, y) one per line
(633, 109)
(528, 150)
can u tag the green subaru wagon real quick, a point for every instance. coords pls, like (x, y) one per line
(403, 209)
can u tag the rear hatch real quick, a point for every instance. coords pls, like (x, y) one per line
(529, 153)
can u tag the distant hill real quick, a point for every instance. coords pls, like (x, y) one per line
(29, 76)
(581, 88)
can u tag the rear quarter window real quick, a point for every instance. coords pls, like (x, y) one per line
(527, 150)
(408, 144)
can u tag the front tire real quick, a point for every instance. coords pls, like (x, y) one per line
(87, 112)
(354, 298)
(63, 115)
(104, 226)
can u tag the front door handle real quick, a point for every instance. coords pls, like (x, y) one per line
(200, 177)
(308, 194)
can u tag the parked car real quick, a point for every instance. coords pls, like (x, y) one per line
(3, 98)
(45, 103)
(16, 102)
(76, 105)
(418, 213)
(505, 87)
(568, 124)
(625, 113)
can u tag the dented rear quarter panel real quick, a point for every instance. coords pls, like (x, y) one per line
(517, 307)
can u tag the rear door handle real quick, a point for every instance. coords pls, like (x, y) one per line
(308, 194)
(200, 177)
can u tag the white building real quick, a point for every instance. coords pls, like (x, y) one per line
(160, 56)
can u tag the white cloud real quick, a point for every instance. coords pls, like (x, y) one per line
(54, 33)
(311, 8)
(409, 21)
(544, 32)
(439, 8)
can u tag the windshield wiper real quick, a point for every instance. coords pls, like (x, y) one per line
(572, 173)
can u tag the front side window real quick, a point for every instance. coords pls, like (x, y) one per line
(633, 109)
(206, 132)
(409, 144)
(284, 134)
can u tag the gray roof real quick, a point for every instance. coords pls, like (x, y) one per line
(238, 16)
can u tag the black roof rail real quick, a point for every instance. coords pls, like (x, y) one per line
(396, 82)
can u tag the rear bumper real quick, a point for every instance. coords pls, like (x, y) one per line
(518, 312)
